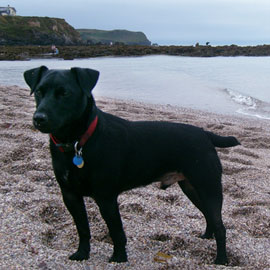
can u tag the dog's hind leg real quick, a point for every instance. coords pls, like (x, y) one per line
(110, 212)
(206, 193)
(211, 198)
(192, 194)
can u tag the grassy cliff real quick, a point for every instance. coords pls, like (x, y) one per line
(17, 30)
(92, 36)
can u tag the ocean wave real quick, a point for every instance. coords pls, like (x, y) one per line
(249, 105)
(242, 98)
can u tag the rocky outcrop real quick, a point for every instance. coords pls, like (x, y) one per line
(87, 51)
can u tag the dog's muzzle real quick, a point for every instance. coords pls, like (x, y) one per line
(40, 121)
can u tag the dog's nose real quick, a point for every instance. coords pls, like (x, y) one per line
(40, 119)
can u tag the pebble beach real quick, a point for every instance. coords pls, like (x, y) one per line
(162, 226)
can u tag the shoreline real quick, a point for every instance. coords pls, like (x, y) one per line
(174, 108)
(37, 232)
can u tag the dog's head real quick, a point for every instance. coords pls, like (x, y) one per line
(61, 95)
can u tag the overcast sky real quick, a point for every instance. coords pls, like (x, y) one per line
(177, 22)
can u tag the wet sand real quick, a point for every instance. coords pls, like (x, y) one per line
(37, 232)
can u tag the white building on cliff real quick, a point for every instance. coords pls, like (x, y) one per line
(7, 11)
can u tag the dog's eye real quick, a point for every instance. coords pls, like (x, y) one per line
(62, 93)
(65, 93)
(38, 94)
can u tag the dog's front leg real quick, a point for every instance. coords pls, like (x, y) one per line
(110, 212)
(76, 207)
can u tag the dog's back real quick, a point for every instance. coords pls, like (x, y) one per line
(147, 150)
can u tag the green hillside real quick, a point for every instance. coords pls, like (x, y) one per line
(18, 30)
(92, 36)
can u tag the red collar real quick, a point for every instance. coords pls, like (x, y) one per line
(66, 147)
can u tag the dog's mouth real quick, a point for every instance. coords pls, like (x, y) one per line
(42, 127)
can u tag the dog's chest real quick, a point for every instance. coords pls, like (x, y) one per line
(77, 180)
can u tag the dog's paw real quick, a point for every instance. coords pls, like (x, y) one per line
(79, 256)
(221, 261)
(119, 258)
(207, 235)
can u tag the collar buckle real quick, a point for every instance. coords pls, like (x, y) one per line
(78, 152)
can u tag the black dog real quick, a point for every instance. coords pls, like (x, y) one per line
(100, 155)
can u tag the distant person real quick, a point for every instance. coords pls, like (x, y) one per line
(55, 50)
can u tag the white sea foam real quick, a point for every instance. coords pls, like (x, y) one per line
(254, 114)
(250, 106)
(242, 99)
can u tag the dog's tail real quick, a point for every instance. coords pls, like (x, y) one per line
(222, 141)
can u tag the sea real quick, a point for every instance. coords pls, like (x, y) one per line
(225, 85)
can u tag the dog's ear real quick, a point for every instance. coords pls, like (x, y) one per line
(86, 78)
(33, 76)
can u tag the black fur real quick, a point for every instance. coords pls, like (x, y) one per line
(122, 155)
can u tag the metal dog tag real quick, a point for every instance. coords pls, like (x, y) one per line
(78, 159)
